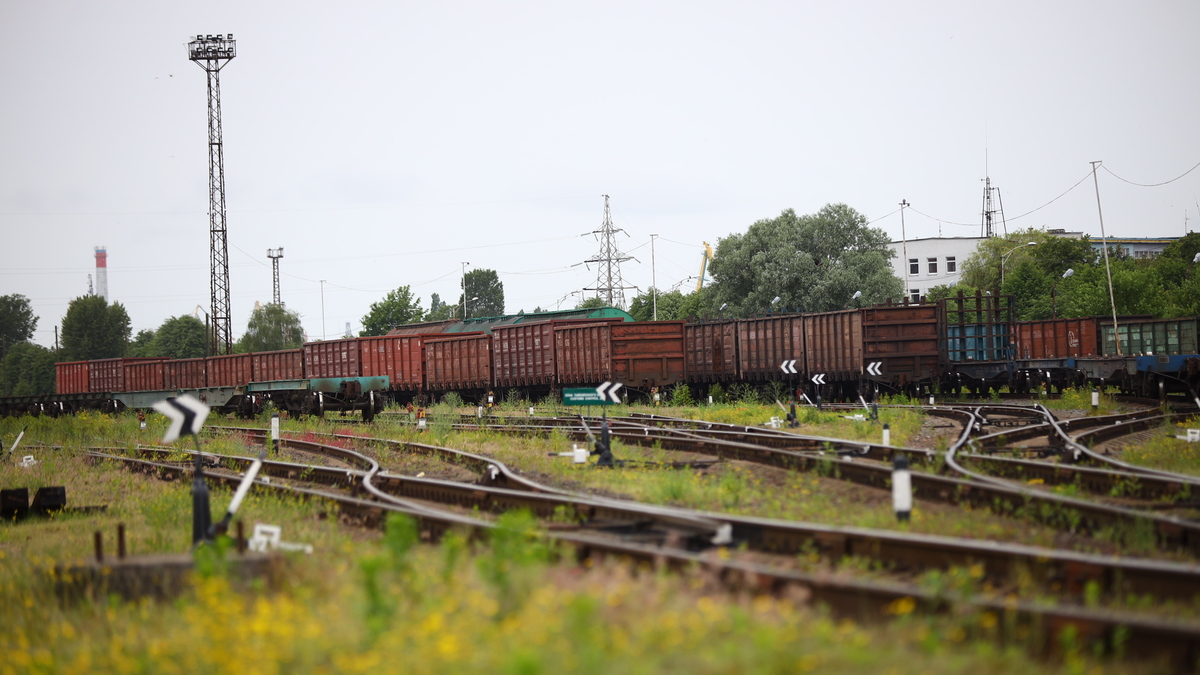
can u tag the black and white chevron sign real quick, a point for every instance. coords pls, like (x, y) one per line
(788, 366)
(875, 368)
(608, 391)
(186, 413)
(819, 378)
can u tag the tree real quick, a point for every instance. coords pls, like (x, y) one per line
(17, 321)
(94, 329)
(181, 337)
(1053, 255)
(28, 370)
(142, 344)
(591, 303)
(271, 328)
(812, 263)
(396, 309)
(485, 294)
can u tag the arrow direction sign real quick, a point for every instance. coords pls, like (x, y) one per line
(819, 378)
(187, 415)
(875, 368)
(605, 394)
(788, 366)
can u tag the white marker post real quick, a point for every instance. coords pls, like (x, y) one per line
(187, 415)
(887, 434)
(18, 441)
(275, 434)
(1095, 398)
(901, 488)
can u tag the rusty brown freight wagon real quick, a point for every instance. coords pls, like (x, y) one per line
(458, 362)
(765, 343)
(231, 370)
(583, 353)
(108, 375)
(525, 354)
(71, 377)
(710, 351)
(332, 358)
(903, 341)
(398, 357)
(648, 353)
(144, 376)
(185, 374)
(833, 345)
(287, 364)
(1058, 338)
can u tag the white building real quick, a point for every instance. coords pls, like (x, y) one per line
(924, 263)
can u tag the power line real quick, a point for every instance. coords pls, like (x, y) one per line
(1150, 184)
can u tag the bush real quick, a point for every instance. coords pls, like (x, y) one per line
(681, 396)
(717, 394)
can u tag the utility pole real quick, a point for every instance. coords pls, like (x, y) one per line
(904, 247)
(1107, 269)
(609, 284)
(322, 309)
(212, 53)
(275, 254)
(463, 307)
(653, 277)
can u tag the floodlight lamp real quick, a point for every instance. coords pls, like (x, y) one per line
(857, 295)
(726, 304)
(1196, 258)
(1070, 272)
(777, 299)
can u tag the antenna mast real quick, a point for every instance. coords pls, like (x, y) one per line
(212, 53)
(609, 284)
(275, 254)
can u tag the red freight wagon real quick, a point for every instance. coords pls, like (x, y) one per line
(287, 364)
(71, 377)
(833, 345)
(232, 370)
(1058, 338)
(332, 358)
(904, 340)
(185, 374)
(583, 353)
(524, 354)
(710, 351)
(764, 343)
(144, 376)
(648, 353)
(458, 362)
(108, 375)
(399, 357)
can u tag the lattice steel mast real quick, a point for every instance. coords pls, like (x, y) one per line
(609, 284)
(212, 53)
(275, 254)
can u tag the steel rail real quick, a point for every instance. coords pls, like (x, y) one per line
(1136, 635)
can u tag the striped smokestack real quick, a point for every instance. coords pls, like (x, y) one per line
(102, 272)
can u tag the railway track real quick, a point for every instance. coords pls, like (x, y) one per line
(1139, 635)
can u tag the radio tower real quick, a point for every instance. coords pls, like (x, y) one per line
(212, 53)
(275, 254)
(608, 275)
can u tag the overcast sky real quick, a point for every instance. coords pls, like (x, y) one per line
(384, 144)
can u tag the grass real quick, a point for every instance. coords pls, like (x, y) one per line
(1166, 452)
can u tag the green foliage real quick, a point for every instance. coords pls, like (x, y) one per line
(396, 309)
(681, 396)
(28, 370)
(17, 321)
(181, 337)
(592, 303)
(484, 294)
(673, 305)
(438, 310)
(814, 263)
(94, 329)
(142, 345)
(271, 328)
(717, 393)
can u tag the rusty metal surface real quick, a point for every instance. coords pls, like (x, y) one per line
(764, 343)
(108, 375)
(281, 365)
(332, 358)
(583, 353)
(144, 376)
(233, 370)
(833, 345)
(523, 354)
(1058, 338)
(710, 351)
(425, 328)
(648, 353)
(71, 378)
(185, 374)
(462, 361)
(905, 339)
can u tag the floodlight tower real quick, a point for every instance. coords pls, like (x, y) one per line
(275, 254)
(212, 53)
(609, 284)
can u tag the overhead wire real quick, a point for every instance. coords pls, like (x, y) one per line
(1166, 182)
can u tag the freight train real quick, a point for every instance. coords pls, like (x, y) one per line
(959, 344)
